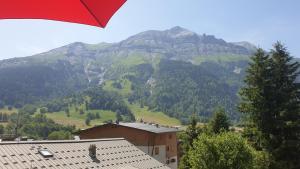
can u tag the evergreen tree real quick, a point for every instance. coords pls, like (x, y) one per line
(67, 111)
(270, 101)
(87, 121)
(86, 103)
(219, 121)
(191, 133)
(255, 98)
(119, 117)
(81, 112)
(97, 115)
(43, 110)
(284, 140)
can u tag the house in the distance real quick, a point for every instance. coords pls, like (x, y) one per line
(82, 154)
(157, 141)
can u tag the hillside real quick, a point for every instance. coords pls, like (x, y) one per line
(175, 71)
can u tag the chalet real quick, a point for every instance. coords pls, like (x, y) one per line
(81, 154)
(157, 141)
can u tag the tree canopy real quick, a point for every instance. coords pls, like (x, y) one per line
(224, 151)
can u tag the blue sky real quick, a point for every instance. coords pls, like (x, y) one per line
(261, 22)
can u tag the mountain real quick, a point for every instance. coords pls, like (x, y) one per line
(175, 71)
(179, 43)
(246, 45)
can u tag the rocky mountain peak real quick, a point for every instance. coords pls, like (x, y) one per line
(178, 32)
(175, 43)
(177, 29)
(246, 45)
(181, 43)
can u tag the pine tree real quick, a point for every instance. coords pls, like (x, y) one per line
(87, 121)
(219, 121)
(119, 117)
(191, 133)
(284, 141)
(270, 102)
(255, 99)
(86, 103)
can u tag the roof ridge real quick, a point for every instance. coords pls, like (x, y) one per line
(60, 141)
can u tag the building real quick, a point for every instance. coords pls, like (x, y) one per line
(83, 154)
(157, 141)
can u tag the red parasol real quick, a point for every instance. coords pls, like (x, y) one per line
(89, 12)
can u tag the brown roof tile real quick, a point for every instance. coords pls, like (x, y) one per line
(111, 153)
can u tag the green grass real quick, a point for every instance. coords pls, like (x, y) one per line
(219, 58)
(131, 60)
(151, 116)
(124, 91)
(140, 113)
(97, 46)
(6, 111)
(79, 120)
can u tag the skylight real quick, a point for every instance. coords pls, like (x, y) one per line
(46, 153)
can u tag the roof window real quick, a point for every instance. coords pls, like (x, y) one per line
(46, 153)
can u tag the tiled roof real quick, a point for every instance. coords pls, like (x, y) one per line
(154, 128)
(111, 154)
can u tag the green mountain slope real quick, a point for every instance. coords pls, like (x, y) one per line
(175, 71)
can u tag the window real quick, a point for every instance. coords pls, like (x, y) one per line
(173, 160)
(45, 153)
(168, 148)
(156, 150)
(170, 136)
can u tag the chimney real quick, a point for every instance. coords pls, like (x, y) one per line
(76, 138)
(93, 151)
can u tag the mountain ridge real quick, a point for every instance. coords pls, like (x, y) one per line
(136, 61)
(177, 33)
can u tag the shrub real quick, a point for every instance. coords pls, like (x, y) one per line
(60, 135)
(224, 151)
